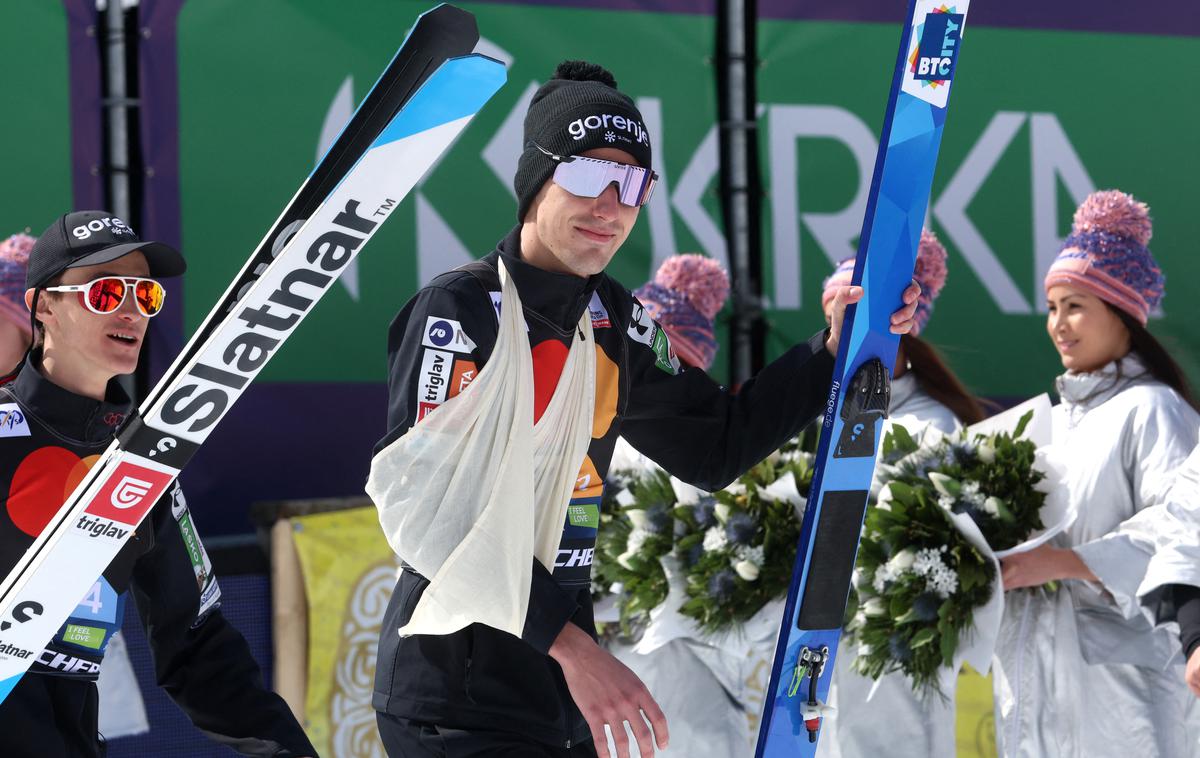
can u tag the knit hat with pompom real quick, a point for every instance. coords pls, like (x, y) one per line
(684, 297)
(14, 259)
(579, 109)
(1106, 254)
(930, 275)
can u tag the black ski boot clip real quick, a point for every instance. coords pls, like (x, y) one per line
(867, 401)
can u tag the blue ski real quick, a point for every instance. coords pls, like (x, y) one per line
(887, 253)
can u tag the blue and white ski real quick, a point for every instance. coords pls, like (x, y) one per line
(428, 94)
(887, 252)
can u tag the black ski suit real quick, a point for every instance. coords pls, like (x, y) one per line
(48, 438)
(481, 679)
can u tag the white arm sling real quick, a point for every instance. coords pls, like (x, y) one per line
(475, 490)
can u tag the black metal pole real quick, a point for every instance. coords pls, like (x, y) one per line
(740, 185)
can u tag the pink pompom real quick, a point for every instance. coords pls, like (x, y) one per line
(698, 278)
(16, 248)
(930, 271)
(1115, 212)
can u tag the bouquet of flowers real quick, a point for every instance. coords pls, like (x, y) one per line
(737, 546)
(734, 548)
(636, 532)
(920, 577)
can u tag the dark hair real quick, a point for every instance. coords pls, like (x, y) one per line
(1161, 365)
(938, 381)
(38, 328)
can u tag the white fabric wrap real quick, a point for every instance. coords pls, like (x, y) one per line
(475, 490)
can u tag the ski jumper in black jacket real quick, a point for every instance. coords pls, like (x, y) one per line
(481, 679)
(49, 437)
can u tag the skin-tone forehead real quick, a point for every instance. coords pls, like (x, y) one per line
(1066, 292)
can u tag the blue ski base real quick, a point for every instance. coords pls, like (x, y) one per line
(811, 630)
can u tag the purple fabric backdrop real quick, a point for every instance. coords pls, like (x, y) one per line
(1172, 17)
(87, 146)
(159, 121)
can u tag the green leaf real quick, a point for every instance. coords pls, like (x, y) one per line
(903, 440)
(949, 643)
(901, 492)
(923, 637)
(1024, 422)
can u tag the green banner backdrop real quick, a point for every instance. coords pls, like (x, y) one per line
(35, 174)
(254, 116)
(1040, 119)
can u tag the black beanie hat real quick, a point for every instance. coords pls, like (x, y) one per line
(579, 109)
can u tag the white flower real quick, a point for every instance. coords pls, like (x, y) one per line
(945, 485)
(884, 575)
(864, 650)
(860, 619)
(637, 538)
(637, 517)
(902, 561)
(857, 579)
(755, 555)
(686, 494)
(783, 489)
(721, 511)
(927, 559)
(715, 539)
(972, 493)
(946, 502)
(625, 498)
(874, 607)
(746, 570)
(885, 498)
(986, 451)
(942, 581)
(617, 588)
(736, 488)
(992, 505)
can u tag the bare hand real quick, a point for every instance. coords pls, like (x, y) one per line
(902, 319)
(1045, 563)
(607, 692)
(1192, 674)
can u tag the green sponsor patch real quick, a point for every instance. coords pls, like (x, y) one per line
(587, 514)
(85, 636)
(662, 348)
(191, 541)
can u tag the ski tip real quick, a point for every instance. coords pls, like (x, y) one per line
(445, 12)
(456, 90)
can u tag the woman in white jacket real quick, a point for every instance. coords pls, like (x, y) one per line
(1079, 671)
(1170, 592)
(926, 395)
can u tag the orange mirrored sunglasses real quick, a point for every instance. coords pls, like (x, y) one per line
(105, 295)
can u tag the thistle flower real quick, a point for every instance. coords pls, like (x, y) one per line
(722, 585)
(740, 528)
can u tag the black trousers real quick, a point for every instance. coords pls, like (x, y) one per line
(415, 739)
(51, 717)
